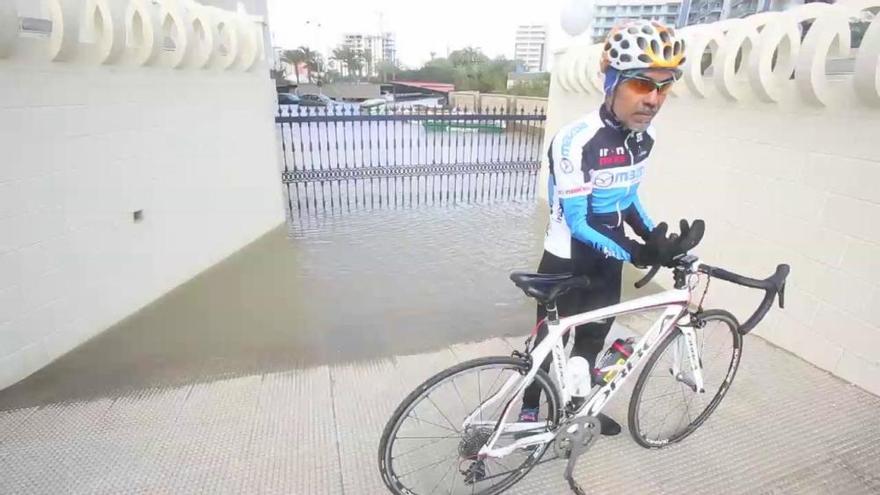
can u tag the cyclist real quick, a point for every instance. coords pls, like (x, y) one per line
(596, 165)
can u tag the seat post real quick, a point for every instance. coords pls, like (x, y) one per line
(552, 314)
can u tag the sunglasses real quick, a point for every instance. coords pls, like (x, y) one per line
(643, 85)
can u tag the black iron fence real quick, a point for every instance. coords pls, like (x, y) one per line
(348, 157)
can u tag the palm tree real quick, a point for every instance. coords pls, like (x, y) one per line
(294, 58)
(311, 59)
(342, 55)
(356, 61)
(367, 57)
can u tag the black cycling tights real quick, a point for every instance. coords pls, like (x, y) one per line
(590, 338)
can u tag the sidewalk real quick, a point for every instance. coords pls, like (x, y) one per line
(785, 427)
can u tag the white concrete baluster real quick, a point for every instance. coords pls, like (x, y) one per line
(104, 26)
(866, 79)
(203, 36)
(8, 27)
(580, 70)
(227, 33)
(708, 36)
(739, 43)
(247, 42)
(142, 32)
(829, 36)
(177, 30)
(65, 17)
(563, 70)
(594, 73)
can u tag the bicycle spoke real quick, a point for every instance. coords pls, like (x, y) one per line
(687, 405)
(443, 478)
(441, 413)
(432, 423)
(452, 479)
(417, 448)
(458, 392)
(665, 418)
(426, 438)
(497, 460)
(429, 465)
(427, 453)
(658, 397)
(489, 392)
(479, 396)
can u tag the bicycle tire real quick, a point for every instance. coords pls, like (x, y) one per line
(635, 404)
(386, 444)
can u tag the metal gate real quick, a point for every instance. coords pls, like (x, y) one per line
(345, 157)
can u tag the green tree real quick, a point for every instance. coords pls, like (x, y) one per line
(468, 56)
(343, 55)
(535, 87)
(386, 70)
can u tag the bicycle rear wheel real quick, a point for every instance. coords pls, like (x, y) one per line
(425, 450)
(665, 408)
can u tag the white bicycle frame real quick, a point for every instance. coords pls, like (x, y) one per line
(674, 301)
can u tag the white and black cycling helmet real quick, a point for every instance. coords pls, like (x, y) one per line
(641, 44)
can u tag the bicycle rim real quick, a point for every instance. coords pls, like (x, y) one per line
(424, 450)
(664, 408)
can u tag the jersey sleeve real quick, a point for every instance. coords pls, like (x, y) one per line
(637, 218)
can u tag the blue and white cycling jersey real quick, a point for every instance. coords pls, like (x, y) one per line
(596, 167)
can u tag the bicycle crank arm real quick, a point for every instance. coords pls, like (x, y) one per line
(578, 441)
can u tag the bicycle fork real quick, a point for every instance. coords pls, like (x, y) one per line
(688, 347)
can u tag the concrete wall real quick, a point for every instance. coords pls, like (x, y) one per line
(93, 132)
(496, 102)
(530, 104)
(473, 100)
(782, 170)
(465, 100)
(344, 90)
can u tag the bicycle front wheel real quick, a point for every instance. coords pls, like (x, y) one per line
(427, 448)
(665, 407)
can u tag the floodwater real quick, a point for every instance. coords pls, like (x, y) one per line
(322, 289)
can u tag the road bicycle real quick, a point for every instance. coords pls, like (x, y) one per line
(437, 441)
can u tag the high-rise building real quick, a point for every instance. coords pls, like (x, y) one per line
(704, 11)
(608, 13)
(381, 47)
(531, 47)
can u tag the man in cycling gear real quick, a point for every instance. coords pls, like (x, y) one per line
(596, 165)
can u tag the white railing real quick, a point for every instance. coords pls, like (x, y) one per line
(178, 34)
(775, 59)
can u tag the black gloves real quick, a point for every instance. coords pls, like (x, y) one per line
(660, 249)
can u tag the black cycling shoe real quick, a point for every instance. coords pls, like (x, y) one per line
(609, 426)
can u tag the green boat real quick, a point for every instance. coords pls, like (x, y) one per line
(464, 126)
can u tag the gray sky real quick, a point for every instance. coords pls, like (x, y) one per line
(421, 27)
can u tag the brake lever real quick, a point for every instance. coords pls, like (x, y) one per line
(782, 296)
(647, 278)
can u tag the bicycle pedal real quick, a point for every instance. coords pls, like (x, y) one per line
(575, 487)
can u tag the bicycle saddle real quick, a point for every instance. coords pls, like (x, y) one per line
(547, 287)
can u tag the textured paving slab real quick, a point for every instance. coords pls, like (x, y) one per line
(785, 427)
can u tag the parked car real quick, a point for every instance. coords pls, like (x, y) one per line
(373, 104)
(315, 101)
(288, 99)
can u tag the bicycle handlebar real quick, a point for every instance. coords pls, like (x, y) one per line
(647, 278)
(772, 285)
